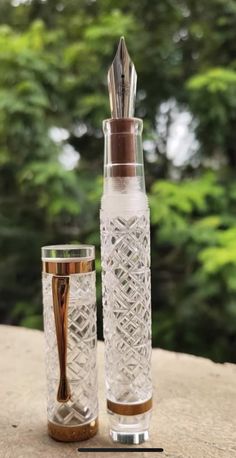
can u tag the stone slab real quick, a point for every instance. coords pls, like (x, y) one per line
(194, 413)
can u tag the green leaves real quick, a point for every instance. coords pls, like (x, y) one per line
(213, 101)
(195, 261)
(214, 80)
(213, 94)
(54, 58)
(109, 26)
(56, 187)
(222, 255)
(174, 204)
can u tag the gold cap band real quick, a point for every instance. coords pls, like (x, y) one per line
(69, 267)
(129, 409)
(72, 433)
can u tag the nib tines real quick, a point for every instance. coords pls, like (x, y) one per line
(122, 79)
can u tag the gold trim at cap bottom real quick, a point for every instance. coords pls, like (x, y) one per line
(129, 409)
(72, 433)
(69, 267)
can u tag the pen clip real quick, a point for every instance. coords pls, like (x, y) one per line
(60, 293)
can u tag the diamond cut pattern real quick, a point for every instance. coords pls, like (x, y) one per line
(125, 246)
(81, 351)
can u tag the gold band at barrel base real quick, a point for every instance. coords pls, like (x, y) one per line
(68, 267)
(72, 433)
(129, 409)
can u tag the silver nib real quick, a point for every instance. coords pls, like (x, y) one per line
(122, 79)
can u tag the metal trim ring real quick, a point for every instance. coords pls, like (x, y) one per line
(69, 267)
(72, 433)
(129, 409)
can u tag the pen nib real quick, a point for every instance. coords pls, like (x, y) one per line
(122, 79)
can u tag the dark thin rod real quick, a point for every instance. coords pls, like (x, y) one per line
(120, 449)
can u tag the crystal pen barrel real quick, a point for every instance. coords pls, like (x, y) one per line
(125, 250)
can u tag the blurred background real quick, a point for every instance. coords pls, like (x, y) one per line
(54, 57)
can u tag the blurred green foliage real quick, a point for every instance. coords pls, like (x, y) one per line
(54, 57)
(195, 232)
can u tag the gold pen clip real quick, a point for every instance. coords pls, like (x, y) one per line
(60, 293)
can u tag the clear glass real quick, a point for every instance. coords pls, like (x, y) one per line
(68, 252)
(81, 334)
(125, 249)
(136, 166)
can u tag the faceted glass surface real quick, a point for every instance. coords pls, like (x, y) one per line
(81, 351)
(126, 307)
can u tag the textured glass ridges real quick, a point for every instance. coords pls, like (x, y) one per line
(126, 307)
(81, 351)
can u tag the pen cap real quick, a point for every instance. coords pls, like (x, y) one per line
(70, 316)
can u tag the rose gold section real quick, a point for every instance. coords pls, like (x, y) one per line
(123, 146)
(129, 409)
(125, 125)
(72, 433)
(123, 170)
(68, 268)
(122, 140)
(60, 293)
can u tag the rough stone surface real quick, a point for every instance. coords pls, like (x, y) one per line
(194, 412)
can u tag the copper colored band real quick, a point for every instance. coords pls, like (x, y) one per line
(123, 170)
(129, 409)
(68, 268)
(72, 433)
(122, 139)
(122, 125)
